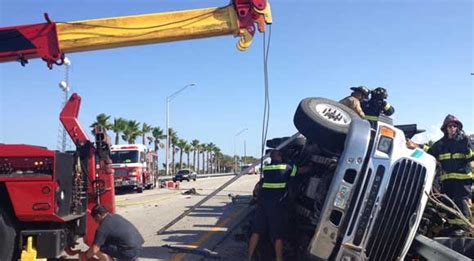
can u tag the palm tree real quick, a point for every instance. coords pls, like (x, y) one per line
(209, 150)
(118, 127)
(187, 149)
(157, 135)
(102, 120)
(131, 132)
(181, 144)
(145, 130)
(198, 150)
(194, 148)
(203, 149)
(217, 157)
(173, 138)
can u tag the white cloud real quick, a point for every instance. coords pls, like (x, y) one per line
(432, 133)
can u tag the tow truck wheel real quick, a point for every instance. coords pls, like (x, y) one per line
(324, 122)
(7, 236)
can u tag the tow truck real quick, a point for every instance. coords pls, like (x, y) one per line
(46, 196)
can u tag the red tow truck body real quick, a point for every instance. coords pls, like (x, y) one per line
(47, 194)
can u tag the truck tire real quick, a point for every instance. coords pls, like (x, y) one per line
(324, 122)
(140, 189)
(7, 236)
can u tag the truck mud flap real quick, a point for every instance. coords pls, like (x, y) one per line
(48, 243)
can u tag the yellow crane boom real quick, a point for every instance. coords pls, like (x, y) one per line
(51, 40)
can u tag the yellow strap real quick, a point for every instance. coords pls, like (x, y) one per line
(293, 172)
(371, 118)
(275, 167)
(444, 156)
(274, 185)
(458, 176)
(387, 106)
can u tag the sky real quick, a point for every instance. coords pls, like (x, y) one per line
(420, 51)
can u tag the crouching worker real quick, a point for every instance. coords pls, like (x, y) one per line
(116, 237)
(270, 212)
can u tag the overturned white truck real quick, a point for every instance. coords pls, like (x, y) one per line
(366, 197)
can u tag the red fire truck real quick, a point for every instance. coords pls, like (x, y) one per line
(134, 166)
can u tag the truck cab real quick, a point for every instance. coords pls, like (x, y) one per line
(365, 197)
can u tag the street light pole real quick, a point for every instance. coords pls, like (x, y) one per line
(168, 140)
(235, 156)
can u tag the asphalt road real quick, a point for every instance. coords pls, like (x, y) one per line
(205, 227)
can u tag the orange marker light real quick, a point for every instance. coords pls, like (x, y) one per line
(385, 131)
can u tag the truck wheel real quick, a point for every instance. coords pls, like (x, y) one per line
(324, 122)
(139, 189)
(7, 236)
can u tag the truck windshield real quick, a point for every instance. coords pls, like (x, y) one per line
(124, 156)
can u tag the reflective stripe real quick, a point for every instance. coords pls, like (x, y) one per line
(459, 156)
(447, 156)
(387, 106)
(470, 154)
(293, 172)
(458, 176)
(371, 118)
(426, 148)
(274, 185)
(444, 156)
(275, 167)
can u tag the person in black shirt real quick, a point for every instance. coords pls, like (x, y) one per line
(116, 237)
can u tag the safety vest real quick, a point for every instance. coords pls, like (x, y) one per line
(454, 156)
(275, 179)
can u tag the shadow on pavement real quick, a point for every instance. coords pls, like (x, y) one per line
(155, 252)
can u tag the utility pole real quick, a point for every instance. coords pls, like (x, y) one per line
(64, 86)
(235, 155)
(168, 140)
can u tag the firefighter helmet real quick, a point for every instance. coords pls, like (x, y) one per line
(451, 119)
(379, 93)
(362, 89)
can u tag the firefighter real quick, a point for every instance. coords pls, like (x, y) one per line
(454, 153)
(270, 213)
(116, 237)
(377, 105)
(355, 99)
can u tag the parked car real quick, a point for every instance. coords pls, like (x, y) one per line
(185, 174)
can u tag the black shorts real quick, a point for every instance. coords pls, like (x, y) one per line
(120, 253)
(269, 217)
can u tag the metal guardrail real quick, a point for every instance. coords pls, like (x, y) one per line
(432, 250)
(199, 176)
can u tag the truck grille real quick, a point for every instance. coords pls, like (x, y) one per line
(400, 202)
(120, 172)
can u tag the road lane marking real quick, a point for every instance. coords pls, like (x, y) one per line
(217, 228)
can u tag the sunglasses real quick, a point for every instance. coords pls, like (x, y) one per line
(452, 126)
